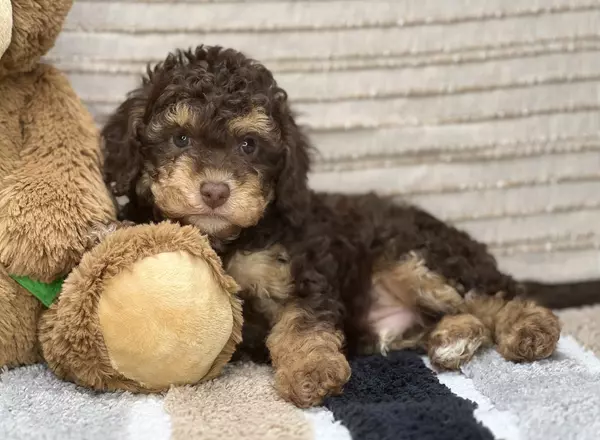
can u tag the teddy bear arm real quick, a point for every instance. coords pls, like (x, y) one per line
(149, 307)
(145, 317)
(56, 193)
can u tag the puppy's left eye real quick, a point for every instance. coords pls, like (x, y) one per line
(181, 140)
(248, 145)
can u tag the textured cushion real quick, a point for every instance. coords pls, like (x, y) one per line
(486, 112)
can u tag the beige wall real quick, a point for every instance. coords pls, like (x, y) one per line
(487, 112)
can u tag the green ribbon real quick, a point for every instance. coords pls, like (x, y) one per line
(45, 292)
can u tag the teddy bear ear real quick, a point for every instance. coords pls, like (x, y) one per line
(6, 23)
(122, 146)
(34, 26)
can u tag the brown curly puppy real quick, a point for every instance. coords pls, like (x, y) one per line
(209, 139)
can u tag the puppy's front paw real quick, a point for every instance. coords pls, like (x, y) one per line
(526, 331)
(307, 380)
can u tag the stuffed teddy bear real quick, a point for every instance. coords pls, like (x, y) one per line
(108, 307)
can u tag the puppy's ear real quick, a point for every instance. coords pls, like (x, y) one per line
(122, 147)
(292, 193)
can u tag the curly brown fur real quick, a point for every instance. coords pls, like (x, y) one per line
(309, 364)
(347, 254)
(522, 330)
(216, 98)
(265, 278)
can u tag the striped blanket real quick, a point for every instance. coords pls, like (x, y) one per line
(485, 112)
(397, 397)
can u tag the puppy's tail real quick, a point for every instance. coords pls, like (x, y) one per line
(563, 295)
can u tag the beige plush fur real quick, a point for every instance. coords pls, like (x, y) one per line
(159, 310)
(51, 186)
(142, 308)
(36, 23)
(19, 314)
(71, 330)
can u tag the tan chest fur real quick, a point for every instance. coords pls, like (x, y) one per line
(265, 278)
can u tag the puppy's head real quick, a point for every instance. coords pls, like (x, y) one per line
(209, 140)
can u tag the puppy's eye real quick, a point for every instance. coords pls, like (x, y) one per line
(248, 145)
(181, 140)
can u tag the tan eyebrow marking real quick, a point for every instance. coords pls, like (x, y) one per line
(180, 114)
(256, 121)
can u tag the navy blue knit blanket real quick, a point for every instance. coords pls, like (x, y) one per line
(399, 398)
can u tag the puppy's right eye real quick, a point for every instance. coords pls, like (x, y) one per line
(181, 140)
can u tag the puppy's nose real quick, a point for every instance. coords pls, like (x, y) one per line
(214, 194)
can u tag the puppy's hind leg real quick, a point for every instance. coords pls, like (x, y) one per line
(522, 330)
(407, 297)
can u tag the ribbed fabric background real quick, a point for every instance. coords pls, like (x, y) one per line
(487, 112)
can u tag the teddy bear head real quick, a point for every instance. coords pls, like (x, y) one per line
(28, 29)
